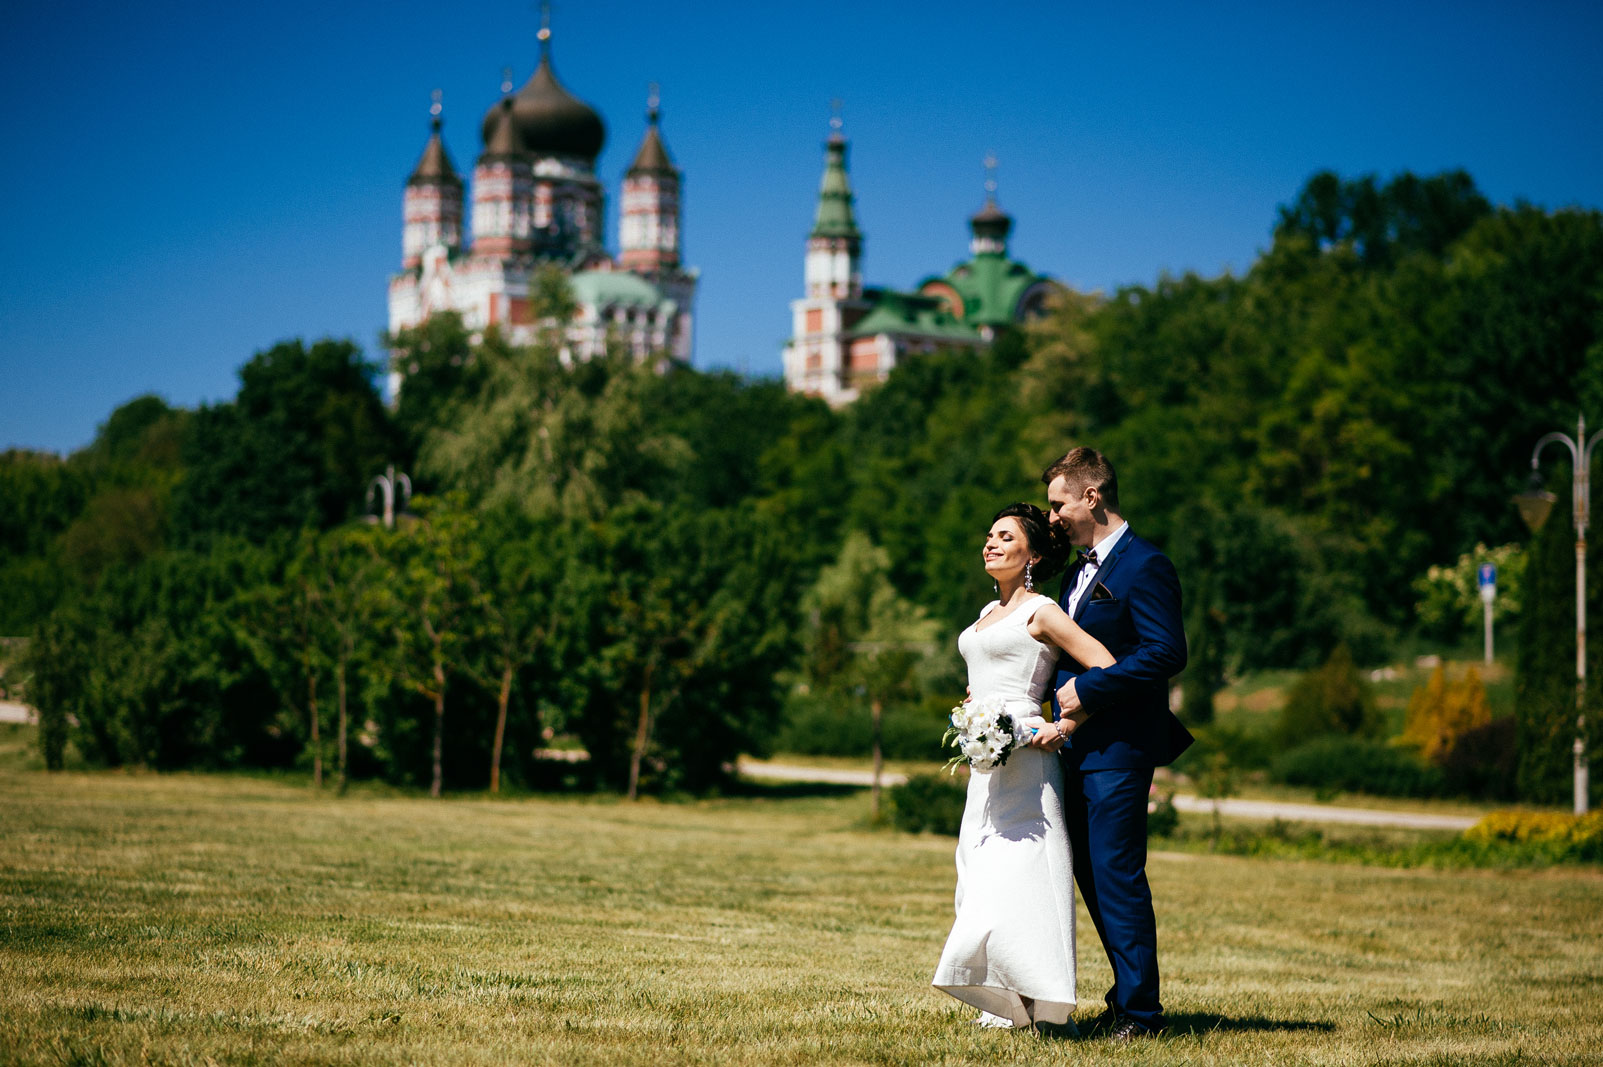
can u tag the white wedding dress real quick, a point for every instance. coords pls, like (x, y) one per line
(1013, 940)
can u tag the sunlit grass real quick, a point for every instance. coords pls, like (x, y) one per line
(169, 919)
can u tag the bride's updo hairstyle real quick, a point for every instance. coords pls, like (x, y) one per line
(1043, 539)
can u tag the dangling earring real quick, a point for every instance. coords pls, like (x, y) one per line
(1029, 578)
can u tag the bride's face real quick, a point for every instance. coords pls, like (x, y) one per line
(1007, 550)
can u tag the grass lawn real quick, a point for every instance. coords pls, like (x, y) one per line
(196, 919)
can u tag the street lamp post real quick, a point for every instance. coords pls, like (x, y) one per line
(1534, 505)
(389, 484)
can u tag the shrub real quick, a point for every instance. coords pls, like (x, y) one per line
(1357, 766)
(1247, 749)
(1163, 818)
(932, 802)
(1293, 841)
(1333, 699)
(1557, 836)
(1441, 712)
(1485, 761)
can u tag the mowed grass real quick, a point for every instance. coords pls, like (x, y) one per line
(195, 919)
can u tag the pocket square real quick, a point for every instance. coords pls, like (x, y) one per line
(1100, 592)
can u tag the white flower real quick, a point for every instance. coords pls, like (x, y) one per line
(984, 733)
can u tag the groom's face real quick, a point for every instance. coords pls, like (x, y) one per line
(1069, 509)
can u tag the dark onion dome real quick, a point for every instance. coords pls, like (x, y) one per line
(502, 143)
(653, 155)
(550, 121)
(434, 167)
(991, 221)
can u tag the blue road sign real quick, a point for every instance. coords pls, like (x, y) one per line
(1488, 575)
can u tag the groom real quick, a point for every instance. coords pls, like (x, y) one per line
(1125, 593)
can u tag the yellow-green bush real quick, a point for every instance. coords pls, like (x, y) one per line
(1565, 836)
(1443, 711)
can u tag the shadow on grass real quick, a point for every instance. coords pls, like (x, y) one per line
(1197, 1024)
(1204, 1022)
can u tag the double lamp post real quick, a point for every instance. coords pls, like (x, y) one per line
(1535, 504)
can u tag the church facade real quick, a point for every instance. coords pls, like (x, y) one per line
(535, 200)
(846, 336)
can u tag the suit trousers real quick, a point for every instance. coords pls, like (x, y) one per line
(1106, 813)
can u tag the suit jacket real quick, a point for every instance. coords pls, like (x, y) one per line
(1132, 607)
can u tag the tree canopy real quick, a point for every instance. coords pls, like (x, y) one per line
(629, 547)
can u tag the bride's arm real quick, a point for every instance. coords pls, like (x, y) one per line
(1052, 623)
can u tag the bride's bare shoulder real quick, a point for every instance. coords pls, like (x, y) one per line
(1043, 614)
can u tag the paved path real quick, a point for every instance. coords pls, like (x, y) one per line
(1279, 809)
(1245, 809)
(12, 712)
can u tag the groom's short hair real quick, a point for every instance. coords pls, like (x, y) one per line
(1085, 466)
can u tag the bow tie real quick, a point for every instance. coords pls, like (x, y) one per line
(1089, 557)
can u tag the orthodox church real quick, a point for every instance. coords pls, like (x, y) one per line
(846, 336)
(536, 200)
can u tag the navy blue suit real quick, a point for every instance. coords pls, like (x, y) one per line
(1133, 608)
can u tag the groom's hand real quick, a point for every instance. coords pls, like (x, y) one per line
(1068, 699)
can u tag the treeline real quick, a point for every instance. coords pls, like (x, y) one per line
(570, 575)
(1306, 440)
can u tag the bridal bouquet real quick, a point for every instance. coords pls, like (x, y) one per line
(983, 733)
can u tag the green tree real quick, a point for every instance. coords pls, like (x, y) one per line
(284, 626)
(861, 640)
(1383, 222)
(1544, 679)
(40, 495)
(59, 650)
(684, 642)
(344, 572)
(547, 436)
(153, 671)
(295, 448)
(434, 609)
(439, 373)
(515, 586)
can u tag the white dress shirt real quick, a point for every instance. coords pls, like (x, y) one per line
(1084, 581)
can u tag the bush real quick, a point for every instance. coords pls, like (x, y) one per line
(1246, 749)
(1355, 765)
(1485, 761)
(1441, 712)
(929, 802)
(1285, 840)
(1163, 818)
(1334, 699)
(1554, 836)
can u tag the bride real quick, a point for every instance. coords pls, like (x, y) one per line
(1011, 950)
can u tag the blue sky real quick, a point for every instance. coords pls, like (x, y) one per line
(188, 182)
